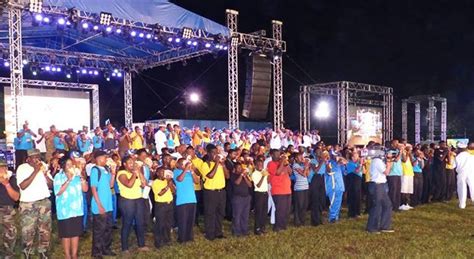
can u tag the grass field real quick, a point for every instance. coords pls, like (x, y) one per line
(431, 231)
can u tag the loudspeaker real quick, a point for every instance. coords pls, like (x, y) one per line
(257, 87)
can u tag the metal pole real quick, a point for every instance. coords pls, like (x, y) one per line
(417, 123)
(277, 80)
(127, 94)
(431, 118)
(16, 59)
(444, 119)
(95, 107)
(233, 72)
(404, 119)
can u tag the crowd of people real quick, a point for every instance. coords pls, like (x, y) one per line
(168, 178)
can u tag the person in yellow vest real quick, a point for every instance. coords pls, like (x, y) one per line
(163, 188)
(407, 178)
(137, 139)
(214, 174)
(450, 176)
(197, 137)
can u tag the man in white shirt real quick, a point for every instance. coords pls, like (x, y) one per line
(275, 141)
(160, 139)
(380, 214)
(465, 169)
(35, 181)
(40, 142)
(260, 179)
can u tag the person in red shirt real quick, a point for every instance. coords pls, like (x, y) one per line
(279, 171)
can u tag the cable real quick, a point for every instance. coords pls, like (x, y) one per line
(151, 89)
(300, 68)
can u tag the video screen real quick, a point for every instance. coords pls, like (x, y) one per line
(43, 107)
(365, 124)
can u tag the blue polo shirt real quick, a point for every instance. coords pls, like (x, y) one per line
(103, 189)
(351, 168)
(97, 142)
(322, 169)
(25, 142)
(417, 167)
(84, 145)
(397, 169)
(186, 139)
(184, 190)
(58, 144)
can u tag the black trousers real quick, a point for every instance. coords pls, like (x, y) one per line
(186, 214)
(228, 200)
(199, 206)
(427, 184)
(354, 186)
(417, 195)
(301, 199)
(20, 157)
(147, 214)
(439, 177)
(214, 211)
(317, 191)
(163, 222)
(101, 234)
(450, 184)
(261, 211)
(282, 211)
(395, 190)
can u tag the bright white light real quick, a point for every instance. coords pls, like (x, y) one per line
(85, 25)
(119, 74)
(141, 35)
(53, 69)
(118, 31)
(38, 17)
(148, 36)
(46, 19)
(6, 64)
(195, 43)
(58, 69)
(108, 29)
(194, 97)
(322, 111)
(133, 33)
(96, 72)
(61, 21)
(84, 71)
(208, 45)
(177, 40)
(96, 27)
(25, 62)
(68, 76)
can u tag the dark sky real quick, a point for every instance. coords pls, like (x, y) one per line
(416, 47)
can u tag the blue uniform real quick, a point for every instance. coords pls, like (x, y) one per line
(335, 189)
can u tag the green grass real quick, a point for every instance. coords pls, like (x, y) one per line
(430, 231)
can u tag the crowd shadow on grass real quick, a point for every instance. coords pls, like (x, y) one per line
(430, 231)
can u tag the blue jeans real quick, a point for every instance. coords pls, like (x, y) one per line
(380, 214)
(115, 208)
(132, 210)
(85, 210)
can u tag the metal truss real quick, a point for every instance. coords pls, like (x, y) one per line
(233, 71)
(431, 116)
(278, 118)
(66, 85)
(256, 42)
(173, 56)
(349, 93)
(16, 59)
(127, 95)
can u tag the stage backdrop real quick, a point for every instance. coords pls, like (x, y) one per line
(365, 124)
(43, 107)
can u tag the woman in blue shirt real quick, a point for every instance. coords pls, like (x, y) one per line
(185, 178)
(68, 188)
(354, 184)
(301, 194)
(418, 160)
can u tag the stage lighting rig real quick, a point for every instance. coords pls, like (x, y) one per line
(187, 33)
(105, 18)
(36, 6)
(235, 40)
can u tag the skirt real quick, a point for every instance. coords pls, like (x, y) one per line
(71, 227)
(407, 184)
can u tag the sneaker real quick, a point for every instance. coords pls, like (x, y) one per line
(409, 207)
(373, 232)
(403, 207)
(388, 231)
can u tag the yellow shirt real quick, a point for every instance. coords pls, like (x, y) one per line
(407, 168)
(159, 185)
(216, 183)
(197, 138)
(366, 169)
(135, 192)
(137, 143)
(451, 165)
(197, 163)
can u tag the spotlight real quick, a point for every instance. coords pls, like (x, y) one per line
(194, 97)
(189, 42)
(225, 48)
(108, 79)
(47, 68)
(53, 69)
(187, 33)
(119, 74)
(35, 73)
(68, 23)
(141, 35)
(177, 40)
(6, 64)
(25, 62)
(218, 46)
(36, 6)
(208, 45)
(322, 111)
(108, 29)
(85, 26)
(96, 73)
(91, 72)
(39, 17)
(118, 31)
(58, 69)
(68, 76)
(116, 71)
(114, 74)
(133, 33)
(195, 43)
(84, 71)
(61, 21)
(46, 19)
(107, 76)
(234, 42)
(95, 28)
(105, 18)
(170, 39)
(148, 36)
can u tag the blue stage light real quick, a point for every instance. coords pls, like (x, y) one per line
(208, 45)
(46, 19)
(39, 17)
(108, 29)
(195, 43)
(133, 33)
(96, 27)
(85, 26)
(61, 21)
(118, 31)
(177, 40)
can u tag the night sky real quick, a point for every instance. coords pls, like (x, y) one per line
(416, 47)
